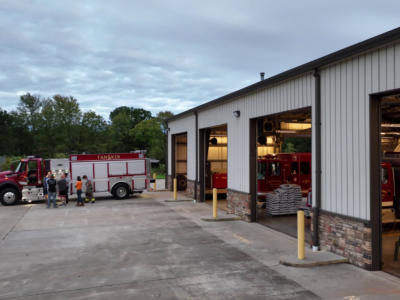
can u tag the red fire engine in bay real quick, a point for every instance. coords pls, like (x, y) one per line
(119, 174)
(295, 168)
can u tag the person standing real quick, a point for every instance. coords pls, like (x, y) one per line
(88, 190)
(67, 181)
(78, 187)
(62, 189)
(52, 189)
(45, 186)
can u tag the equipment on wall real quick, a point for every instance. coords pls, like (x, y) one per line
(213, 141)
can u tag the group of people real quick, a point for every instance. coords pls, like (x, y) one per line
(88, 191)
(51, 186)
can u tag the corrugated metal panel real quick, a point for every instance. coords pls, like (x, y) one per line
(182, 125)
(289, 95)
(345, 127)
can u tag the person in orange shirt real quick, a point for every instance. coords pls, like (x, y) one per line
(78, 186)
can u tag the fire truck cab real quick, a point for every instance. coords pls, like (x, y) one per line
(28, 174)
(277, 169)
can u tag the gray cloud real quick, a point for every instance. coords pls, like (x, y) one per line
(169, 55)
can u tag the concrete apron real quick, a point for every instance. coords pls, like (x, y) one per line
(340, 281)
(137, 248)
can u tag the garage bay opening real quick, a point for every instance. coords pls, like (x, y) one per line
(283, 172)
(216, 164)
(389, 201)
(180, 145)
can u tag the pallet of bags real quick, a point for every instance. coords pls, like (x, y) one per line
(285, 200)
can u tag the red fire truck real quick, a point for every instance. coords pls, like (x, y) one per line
(295, 168)
(277, 169)
(119, 174)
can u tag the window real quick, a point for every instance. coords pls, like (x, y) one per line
(274, 169)
(305, 168)
(384, 176)
(32, 165)
(261, 170)
(32, 171)
(21, 167)
(294, 168)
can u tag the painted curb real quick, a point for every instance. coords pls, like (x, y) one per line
(284, 262)
(182, 200)
(221, 219)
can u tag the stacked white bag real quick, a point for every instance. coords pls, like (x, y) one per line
(285, 200)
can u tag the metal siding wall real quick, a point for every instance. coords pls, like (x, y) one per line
(289, 95)
(345, 89)
(185, 124)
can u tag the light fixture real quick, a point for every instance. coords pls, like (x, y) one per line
(391, 125)
(236, 113)
(262, 140)
(286, 131)
(214, 141)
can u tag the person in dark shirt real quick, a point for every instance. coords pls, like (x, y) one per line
(52, 189)
(45, 188)
(63, 189)
(68, 182)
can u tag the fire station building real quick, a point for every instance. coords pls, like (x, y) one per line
(325, 134)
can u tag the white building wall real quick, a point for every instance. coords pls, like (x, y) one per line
(289, 95)
(345, 89)
(186, 124)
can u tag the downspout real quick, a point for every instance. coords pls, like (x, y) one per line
(166, 155)
(197, 155)
(318, 171)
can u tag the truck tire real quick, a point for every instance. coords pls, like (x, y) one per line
(121, 191)
(181, 182)
(9, 196)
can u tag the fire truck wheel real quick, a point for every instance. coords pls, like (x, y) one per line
(121, 191)
(182, 182)
(9, 196)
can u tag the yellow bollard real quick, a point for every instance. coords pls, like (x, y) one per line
(174, 188)
(300, 234)
(155, 184)
(215, 200)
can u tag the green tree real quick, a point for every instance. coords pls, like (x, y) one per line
(123, 119)
(67, 123)
(149, 135)
(163, 117)
(134, 115)
(45, 138)
(93, 133)
(8, 141)
(296, 144)
(29, 107)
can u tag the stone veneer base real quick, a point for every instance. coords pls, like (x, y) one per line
(347, 237)
(169, 182)
(190, 188)
(239, 203)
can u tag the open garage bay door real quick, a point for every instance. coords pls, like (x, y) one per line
(385, 190)
(283, 170)
(180, 160)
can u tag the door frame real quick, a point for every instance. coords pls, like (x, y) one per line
(173, 155)
(203, 158)
(375, 175)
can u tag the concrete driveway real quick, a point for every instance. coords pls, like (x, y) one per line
(145, 248)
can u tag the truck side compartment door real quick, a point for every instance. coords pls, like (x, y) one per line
(100, 177)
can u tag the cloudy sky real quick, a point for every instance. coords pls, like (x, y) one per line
(169, 54)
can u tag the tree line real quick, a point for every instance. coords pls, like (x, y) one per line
(56, 127)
